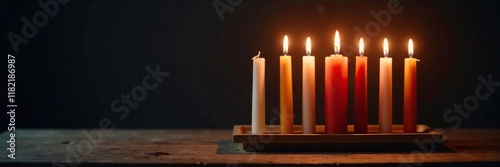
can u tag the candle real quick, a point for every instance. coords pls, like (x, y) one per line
(410, 92)
(361, 92)
(385, 92)
(286, 94)
(308, 91)
(336, 91)
(258, 95)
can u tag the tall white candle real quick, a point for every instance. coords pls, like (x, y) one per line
(258, 95)
(385, 92)
(308, 91)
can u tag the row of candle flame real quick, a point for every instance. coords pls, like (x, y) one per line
(337, 45)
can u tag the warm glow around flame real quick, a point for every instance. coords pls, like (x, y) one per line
(386, 47)
(285, 45)
(308, 46)
(336, 42)
(410, 48)
(361, 47)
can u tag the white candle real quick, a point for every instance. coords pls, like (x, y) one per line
(385, 92)
(258, 95)
(308, 91)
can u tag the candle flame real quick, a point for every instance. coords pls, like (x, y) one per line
(410, 48)
(308, 46)
(361, 47)
(285, 45)
(336, 42)
(386, 47)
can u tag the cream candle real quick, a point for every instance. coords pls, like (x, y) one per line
(308, 91)
(258, 95)
(385, 92)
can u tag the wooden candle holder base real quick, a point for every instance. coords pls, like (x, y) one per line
(272, 140)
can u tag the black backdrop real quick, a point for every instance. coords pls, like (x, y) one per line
(92, 52)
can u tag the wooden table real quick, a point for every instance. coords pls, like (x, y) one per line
(43, 147)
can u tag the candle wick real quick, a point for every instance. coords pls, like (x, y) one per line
(256, 56)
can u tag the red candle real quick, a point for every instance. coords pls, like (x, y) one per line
(336, 91)
(361, 92)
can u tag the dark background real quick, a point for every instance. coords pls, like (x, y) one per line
(92, 52)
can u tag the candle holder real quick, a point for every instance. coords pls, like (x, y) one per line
(272, 140)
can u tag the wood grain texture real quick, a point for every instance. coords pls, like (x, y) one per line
(191, 147)
(242, 134)
(373, 141)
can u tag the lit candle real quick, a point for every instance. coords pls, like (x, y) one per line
(258, 95)
(410, 92)
(308, 91)
(336, 91)
(385, 92)
(361, 92)
(286, 94)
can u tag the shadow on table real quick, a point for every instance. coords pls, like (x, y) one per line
(228, 147)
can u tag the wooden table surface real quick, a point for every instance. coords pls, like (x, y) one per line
(49, 147)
